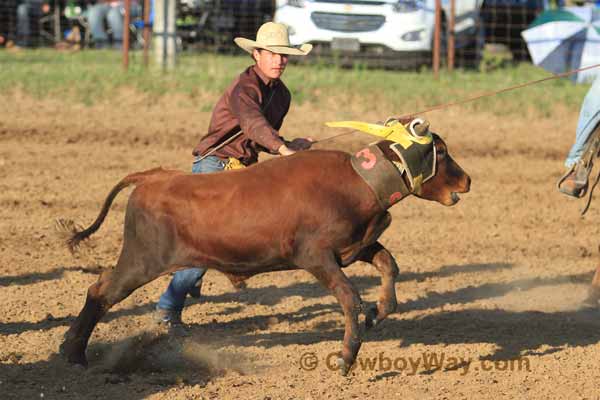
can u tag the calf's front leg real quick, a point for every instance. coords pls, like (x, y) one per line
(327, 270)
(384, 262)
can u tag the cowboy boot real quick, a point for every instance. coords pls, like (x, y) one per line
(575, 181)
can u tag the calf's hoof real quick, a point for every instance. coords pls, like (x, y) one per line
(73, 352)
(371, 317)
(343, 366)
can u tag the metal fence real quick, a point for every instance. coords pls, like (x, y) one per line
(384, 33)
(38, 23)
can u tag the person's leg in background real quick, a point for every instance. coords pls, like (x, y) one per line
(187, 281)
(27, 13)
(588, 118)
(576, 180)
(96, 15)
(114, 18)
(115, 21)
(23, 28)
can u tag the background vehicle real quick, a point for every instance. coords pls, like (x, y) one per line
(399, 31)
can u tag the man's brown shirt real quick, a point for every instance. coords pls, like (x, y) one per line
(253, 104)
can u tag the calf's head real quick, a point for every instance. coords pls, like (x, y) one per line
(439, 177)
(419, 155)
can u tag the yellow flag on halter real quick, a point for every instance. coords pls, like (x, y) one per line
(392, 130)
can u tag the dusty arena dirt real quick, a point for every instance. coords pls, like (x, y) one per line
(489, 293)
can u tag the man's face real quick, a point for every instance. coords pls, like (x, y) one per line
(271, 64)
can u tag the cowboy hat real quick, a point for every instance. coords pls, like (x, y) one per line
(273, 37)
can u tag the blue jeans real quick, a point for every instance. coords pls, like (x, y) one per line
(589, 118)
(28, 11)
(186, 280)
(96, 15)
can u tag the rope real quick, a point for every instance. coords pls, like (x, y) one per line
(232, 138)
(493, 93)
(589, 201)
(487, 94)
(433, 108)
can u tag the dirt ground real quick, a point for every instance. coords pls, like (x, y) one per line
(489, 291)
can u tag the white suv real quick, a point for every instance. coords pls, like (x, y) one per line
(378, 26)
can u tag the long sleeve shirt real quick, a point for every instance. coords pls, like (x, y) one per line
(253, 104)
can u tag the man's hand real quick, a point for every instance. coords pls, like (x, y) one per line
(300, 144)
(285, 151)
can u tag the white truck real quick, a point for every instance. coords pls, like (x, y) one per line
(396, 31)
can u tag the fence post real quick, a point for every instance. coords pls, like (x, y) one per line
(164, 33)
(450, 35)
(125, 43)
(146, 30)
(57, 32)
(436, 38)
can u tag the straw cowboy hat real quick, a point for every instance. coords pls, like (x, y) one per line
(275, 38)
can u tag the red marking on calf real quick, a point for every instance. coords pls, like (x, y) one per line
(371, 158)
(395, 197)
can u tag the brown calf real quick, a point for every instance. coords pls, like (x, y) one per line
(308, 211)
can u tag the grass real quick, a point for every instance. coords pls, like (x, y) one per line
(89, 76)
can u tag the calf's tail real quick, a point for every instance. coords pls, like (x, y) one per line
(76, 234)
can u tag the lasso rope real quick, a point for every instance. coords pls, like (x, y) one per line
(487, 94)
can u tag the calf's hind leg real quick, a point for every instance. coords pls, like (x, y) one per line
(112, 286)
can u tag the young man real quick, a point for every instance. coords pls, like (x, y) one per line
(244, 122)
(575, 181)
